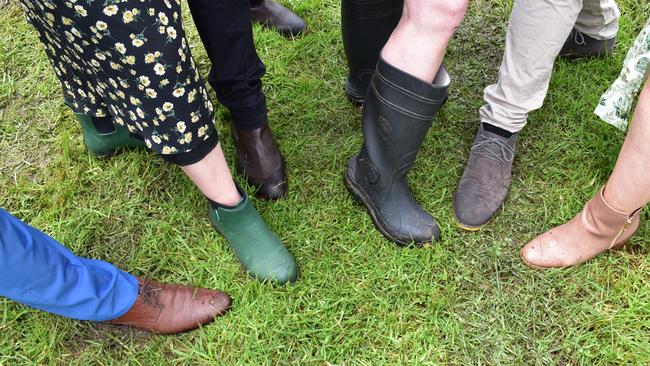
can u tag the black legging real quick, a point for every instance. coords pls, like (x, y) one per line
(227, 33)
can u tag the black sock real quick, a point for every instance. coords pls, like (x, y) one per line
(496, 130)
(103, 124)
(217, 205)
(256, 2)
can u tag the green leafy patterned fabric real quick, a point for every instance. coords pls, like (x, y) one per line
(615, 105)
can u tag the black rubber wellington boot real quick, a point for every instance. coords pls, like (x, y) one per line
(398, 112)
(366, 27)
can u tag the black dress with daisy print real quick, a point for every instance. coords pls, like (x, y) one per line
(129, 60)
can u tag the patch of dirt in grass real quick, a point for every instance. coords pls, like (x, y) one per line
(111, 338)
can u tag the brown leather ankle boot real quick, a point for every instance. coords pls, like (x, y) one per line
(169, 309)
(597, 228)
(259, 160)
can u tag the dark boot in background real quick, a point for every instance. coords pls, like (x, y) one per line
(398, 112)
(259, 160)
(366, 27)
(580, 45)
(273, 15)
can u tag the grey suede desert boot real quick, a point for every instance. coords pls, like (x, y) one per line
(486, 180)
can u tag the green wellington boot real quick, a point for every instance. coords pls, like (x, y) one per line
(258, 249)
(104, 145)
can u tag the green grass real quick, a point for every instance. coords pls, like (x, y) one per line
(361, 300)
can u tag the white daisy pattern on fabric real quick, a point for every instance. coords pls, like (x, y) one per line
(128, 60)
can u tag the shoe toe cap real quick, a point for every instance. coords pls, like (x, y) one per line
(285, 273)
(279, 267)
(273, 189)
(531, 255)
(472, 209)
(421, 230)
(290, 24)
(293, 28)
(213, 303)
(543, 252)
(427, 234)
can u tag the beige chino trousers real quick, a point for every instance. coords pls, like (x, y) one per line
(536, 33)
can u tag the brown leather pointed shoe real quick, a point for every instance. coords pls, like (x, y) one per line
(170, 309)
(273, 15)
(259, 160)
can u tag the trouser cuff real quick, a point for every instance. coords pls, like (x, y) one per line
(249, 120)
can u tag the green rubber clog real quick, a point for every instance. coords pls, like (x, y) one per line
(258, 249)
(104, 145)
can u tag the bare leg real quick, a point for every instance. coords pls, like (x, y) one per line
(212, 176)
(418, 44)
(629, 185)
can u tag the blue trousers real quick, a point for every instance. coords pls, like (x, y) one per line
(37, 271)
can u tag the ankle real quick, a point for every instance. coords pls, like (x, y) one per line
(613, 200)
